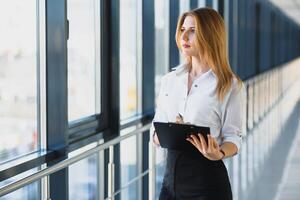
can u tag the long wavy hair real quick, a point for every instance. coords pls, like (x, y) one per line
(211, 41)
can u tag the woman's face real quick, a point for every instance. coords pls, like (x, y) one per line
(188, 36)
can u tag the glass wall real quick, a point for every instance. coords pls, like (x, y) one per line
(18, 78)
(161, 68)
(129, 166)
(83, 178)
(201, 3)
(130, 39)
(184, 6)
(23, 104)
(83, 58)
(161, 41)
(29, 192)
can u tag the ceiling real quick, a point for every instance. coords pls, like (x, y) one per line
(290, 7)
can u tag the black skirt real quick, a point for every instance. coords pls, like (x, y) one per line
(191, 176)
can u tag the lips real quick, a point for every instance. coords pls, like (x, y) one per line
(186, 46)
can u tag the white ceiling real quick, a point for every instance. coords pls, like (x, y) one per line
(290, 7)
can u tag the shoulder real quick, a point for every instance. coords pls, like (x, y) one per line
(238, 90)
(174, 73)
(181, 68)
(238, 85)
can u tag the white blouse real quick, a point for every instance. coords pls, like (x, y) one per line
(201, 107)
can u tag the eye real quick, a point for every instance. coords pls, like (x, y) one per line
(182, 29)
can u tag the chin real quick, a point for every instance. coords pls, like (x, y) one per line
(187, 53)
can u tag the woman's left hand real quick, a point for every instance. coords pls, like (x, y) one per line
(210, 150)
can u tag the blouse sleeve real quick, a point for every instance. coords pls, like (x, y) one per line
(160, 114)
(234, 116)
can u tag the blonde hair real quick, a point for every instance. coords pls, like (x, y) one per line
(212, 45)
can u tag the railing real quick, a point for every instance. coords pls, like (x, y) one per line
(271, 97)
(67, 162)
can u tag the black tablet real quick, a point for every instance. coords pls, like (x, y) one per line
(173, 135)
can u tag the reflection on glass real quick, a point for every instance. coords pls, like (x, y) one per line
(201, 3)
(18, 83)
(161, 68)
(129, 192)
(29, 192)
(184, 6)
(128, 58)
(83, 179)
(161, 41)
(160, 163)
(129, 168)
(83, 58)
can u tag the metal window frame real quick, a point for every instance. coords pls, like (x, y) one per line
(64, 136)
(97, 126)
(209, 3)
(257, 37)
(57, 99)
(148, 87)
(193, 4)
(110, 23)
(174, 53)
(221, 7)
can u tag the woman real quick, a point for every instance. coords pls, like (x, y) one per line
(203, 91)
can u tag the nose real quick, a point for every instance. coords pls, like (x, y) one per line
(184, 36)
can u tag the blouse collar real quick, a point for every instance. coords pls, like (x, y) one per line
(182, 69)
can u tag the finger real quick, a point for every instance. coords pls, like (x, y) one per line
(203, 142)
(210, 143)
(197, 141)
(191, 141)
(197, 146)
(178, 119)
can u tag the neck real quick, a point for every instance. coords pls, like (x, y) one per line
(198, 67)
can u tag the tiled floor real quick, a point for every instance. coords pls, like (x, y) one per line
(289, 188)
(280, 178)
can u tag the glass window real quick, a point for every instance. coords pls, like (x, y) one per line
(161, 68)
(18, 78)
(83, 179)
(161, 41)
(130, 192)
(160, 163)
(129, 165)
(83, 58)
(130, 39)
(201, 3)
(29, 192)
(184, 7)
(215, 4)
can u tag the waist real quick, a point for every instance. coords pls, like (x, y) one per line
(190, 164)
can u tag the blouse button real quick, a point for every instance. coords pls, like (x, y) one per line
(166, 94)
(196, 85)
